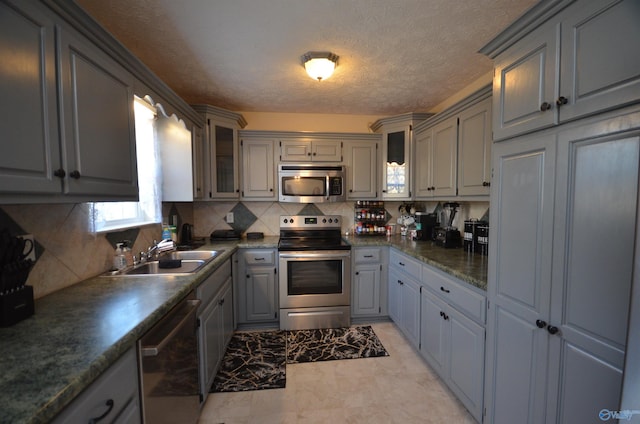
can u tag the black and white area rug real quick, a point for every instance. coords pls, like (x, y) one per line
(256, 360)
(332, 344)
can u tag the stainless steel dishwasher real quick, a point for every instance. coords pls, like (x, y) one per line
(168, 355)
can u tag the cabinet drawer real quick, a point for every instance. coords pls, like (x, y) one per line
(406, 264)
(209, 287)
(367, 256)
(119, 384)
(259, 257)
(455, 294)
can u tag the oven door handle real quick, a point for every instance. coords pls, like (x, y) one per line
(326, 254)
(328, 188)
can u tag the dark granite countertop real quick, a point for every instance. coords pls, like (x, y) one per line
(78, 332)
(468, 267)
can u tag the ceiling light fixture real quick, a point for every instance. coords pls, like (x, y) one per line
(319, 65)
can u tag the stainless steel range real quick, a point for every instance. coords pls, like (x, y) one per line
(315, 273)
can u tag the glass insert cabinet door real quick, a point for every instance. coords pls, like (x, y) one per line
(396, 163)
(224, 169)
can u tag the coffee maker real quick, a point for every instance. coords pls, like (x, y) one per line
(449, 236)
(428, 222)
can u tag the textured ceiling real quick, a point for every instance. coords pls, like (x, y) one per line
(396, 56)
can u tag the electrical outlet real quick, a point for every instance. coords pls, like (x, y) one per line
(32, 246)
(230, 218)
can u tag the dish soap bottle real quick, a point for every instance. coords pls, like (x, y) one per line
(119, 259)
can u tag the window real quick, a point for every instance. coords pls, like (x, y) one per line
(108, 216)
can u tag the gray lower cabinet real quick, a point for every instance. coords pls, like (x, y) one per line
(216, 323)
(559, 286)
(404, 294)
(451, 341)
(113, 397)
(68, 121)
(256, 286)
(369, 282)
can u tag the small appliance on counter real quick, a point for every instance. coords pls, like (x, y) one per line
(221, 235)
(471, 229)
(483, 239)
(426, 224)
(449, 236)
(16, 298)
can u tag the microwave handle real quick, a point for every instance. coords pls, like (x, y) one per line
(328, 187)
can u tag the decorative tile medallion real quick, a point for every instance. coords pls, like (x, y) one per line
(243, 218)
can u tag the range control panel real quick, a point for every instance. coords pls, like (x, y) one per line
(310, 222)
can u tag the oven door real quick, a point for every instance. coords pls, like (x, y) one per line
(315, 278)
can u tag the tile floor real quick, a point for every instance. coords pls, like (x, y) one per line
(399, 388)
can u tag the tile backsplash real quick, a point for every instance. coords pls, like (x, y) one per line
(265, 216)
(68, 252)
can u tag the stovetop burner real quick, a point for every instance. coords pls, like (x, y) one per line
(303, 232)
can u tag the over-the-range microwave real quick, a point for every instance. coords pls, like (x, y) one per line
(311, 183)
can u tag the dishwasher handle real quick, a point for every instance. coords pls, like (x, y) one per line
(154, 350)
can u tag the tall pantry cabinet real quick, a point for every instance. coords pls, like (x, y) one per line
(563, 212)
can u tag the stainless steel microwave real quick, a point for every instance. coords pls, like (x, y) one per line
(309, 183)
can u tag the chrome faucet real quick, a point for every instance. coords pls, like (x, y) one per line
(154, 251)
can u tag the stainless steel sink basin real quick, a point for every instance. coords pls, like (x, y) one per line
(190, 261)
(153, 267)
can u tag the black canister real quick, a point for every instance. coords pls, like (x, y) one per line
(482, 239)
(470, 239)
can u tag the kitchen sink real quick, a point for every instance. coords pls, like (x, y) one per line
(190, 261)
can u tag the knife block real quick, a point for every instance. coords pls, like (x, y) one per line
(16, 306)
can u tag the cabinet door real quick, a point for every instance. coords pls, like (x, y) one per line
(298, 150)
(410, 309)
(433, 331)
(474, 150)
(366, 290)
(260, 292)
(423, 164)
(99, 125)
(522, 195)
(258, 180)
(600, 64)
(211, 338)
(228, 323)
(445, 158)
(394, 295)
(198, 155)
(362, 164)
(524, 80)
(29, 124)
(396, 154)
(466, 361)
(223, 166)
(592, 280)
(326, 151)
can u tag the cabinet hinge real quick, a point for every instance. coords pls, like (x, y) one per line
(380, 267)
(379, 309)
(242, 193)
(280, 143)
(275, 315)
(198, 323)
(409, 194)
(208, 121)
(341, 158)
(458, 121)
(420, 289)
(241, 142)
(488, 303)
(201, 397)
(275, 270)
(410, 127)
(210, 195)
(456, 191)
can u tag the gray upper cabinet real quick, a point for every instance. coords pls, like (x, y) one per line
(474, 150)
(29, 123)
(220, 153)
(361, 160)
(453, 150)
(583, 60)
(69, 133)
(99, 125)
(258, 169)
(307, 149)
(397, 153)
